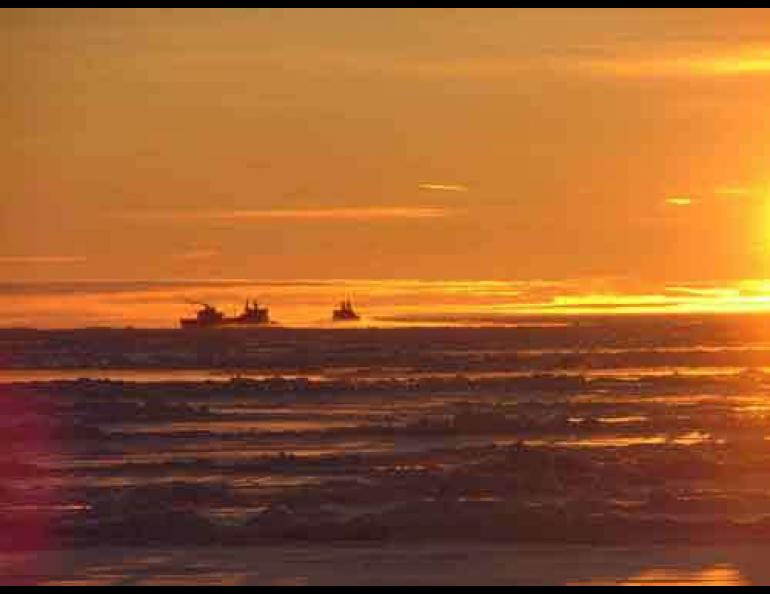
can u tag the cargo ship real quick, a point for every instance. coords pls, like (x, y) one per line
(345, 312)
(209, 316)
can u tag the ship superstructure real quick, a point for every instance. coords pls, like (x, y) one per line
(344, 312)
(209, 316)
(253, 314)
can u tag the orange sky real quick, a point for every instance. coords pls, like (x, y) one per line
(427, 144)
(381, 303)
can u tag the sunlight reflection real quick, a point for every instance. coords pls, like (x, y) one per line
(718, 575)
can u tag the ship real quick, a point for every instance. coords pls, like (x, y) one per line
(345, 312)
(209, 316)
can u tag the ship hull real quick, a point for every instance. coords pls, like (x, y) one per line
(345, 319)
(191, 323)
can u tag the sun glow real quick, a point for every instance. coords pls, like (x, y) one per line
(380, 302)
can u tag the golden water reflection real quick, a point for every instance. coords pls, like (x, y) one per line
(717, 575)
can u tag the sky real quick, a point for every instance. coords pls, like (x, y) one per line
(428, 144)
(381, 303)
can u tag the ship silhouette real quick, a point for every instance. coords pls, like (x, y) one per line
(209, 316)
(345, 312)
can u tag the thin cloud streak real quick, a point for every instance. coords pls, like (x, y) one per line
(443, 187)
(325, 214)
(194, 255)
(733, 191)
(42, 259)
(750, 61)
(679, 201)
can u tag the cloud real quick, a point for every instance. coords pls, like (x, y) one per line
(704, 62)
(623, 60)
(713, 292)
(41, 259)
(680, 200)
(194, 255)
(360, 214)
(733, 191)
(443, 187)
(350, 214)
